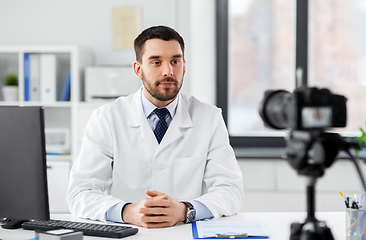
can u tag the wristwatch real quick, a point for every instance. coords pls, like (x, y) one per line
(191, 213)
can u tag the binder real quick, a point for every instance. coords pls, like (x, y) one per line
(48, 77)
(249, 230)
(65, 95)
(34, 78)
(26, 76)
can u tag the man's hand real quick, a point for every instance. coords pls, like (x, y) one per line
(158, 211)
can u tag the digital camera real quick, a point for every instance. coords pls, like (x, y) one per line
(305, 109)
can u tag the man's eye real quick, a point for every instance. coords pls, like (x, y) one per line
(176, 61)
(155, 63)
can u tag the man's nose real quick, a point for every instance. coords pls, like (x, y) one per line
(168, 70)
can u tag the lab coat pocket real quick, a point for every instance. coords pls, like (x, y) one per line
(188, 177)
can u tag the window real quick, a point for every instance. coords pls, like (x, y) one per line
(337, 54)
(261, 56)
(257, 39)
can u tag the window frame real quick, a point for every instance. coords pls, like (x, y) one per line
(222, 21)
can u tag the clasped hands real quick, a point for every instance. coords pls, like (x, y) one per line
(157, 211)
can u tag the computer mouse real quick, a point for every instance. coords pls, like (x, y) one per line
(10, 223)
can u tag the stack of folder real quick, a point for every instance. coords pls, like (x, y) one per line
(40, 79)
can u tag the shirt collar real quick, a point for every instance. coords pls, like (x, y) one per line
(148, 107)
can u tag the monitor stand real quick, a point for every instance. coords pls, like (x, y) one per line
(9, 223)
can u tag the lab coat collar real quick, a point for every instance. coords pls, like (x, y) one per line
(182, 117)
(181, 121)
(136, 110)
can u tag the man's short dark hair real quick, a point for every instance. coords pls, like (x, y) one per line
(156, 32)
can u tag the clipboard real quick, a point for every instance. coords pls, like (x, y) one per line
(228, 236)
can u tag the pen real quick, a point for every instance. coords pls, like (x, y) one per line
(362, 200)
(346, 199)
(355, 199)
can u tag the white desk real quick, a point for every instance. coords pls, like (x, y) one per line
(278, 225)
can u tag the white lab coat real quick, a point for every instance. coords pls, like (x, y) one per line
(120, 159)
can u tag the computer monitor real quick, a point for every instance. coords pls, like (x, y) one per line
(23, 170)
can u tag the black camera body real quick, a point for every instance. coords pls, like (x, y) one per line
(305, 109)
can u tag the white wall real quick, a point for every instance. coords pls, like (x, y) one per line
(89, 24)
(271, 185)
(203, 48)
(81, 22)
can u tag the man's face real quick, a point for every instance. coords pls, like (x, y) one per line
(162, 70)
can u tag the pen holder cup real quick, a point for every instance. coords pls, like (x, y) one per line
(355, 224)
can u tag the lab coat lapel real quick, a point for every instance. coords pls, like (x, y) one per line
(181, 120)
(138, 120)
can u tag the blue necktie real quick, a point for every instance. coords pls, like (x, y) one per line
(162, 126)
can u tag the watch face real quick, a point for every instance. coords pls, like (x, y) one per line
(191, 215)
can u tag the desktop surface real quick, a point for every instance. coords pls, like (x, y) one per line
(277, 224)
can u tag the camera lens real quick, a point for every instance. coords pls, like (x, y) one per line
(274, 109)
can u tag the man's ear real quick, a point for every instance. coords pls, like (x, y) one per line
(137, 69)
(184, 66)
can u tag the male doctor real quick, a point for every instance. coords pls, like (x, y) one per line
(157, 157)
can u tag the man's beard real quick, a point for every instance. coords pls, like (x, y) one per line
(159, 93)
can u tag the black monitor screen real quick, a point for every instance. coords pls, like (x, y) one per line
(23, 187)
